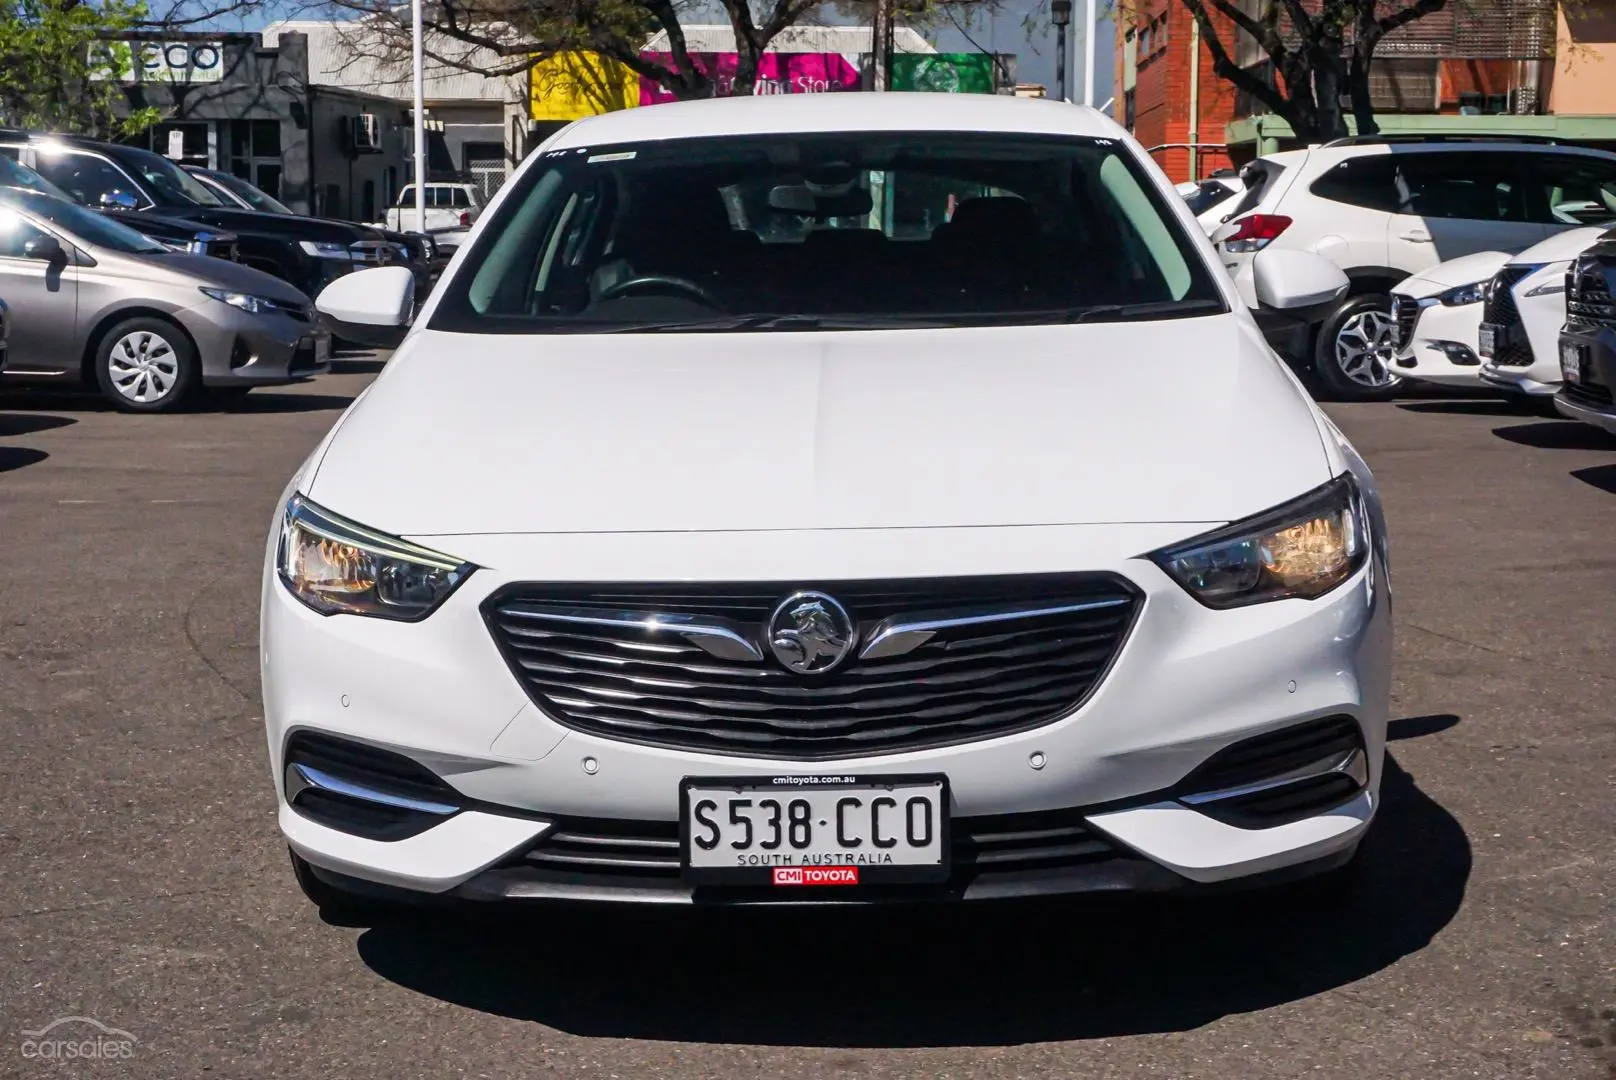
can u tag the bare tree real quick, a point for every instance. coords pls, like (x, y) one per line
(1320, 51)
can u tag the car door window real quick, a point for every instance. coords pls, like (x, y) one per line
(1573, 190)
(461, 199)
(15, 232)
(1367, 182)
(1467, 186)
(88, 178)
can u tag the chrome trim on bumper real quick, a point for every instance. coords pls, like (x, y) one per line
(1353, 765)
(300, 777)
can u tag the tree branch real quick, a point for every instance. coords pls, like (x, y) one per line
(1418, 10)
(1224, 66)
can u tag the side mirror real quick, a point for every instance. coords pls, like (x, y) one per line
(47, 248)
(1287, 279)
(117, 200)
(371, 307)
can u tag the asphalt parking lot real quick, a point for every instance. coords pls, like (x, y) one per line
(145, 885)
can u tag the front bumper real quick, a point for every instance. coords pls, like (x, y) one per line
(1188, 682)
(1516, 381)
(238, 348)
(1590, 397)
(1442, 346)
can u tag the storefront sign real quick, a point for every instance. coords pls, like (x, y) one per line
(162, 62)
(778, 73)
(573, 85)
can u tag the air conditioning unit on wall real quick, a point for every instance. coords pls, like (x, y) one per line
(365, 135)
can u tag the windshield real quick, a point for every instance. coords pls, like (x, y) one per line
(255, 198)
(832, 231)
(171, 183)
(1207, 194)
(95, 229)
(14, 174)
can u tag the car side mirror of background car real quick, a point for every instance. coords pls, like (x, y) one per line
(46, 248)
(117, 200)
(371, 307)
(1287, 279)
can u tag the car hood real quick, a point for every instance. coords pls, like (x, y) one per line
(1561, 246)
(215, 273)
(1188, 420)
(1464, 270)
(159, 227)
(283, 225)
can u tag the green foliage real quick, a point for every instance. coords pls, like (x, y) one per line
(56, 73)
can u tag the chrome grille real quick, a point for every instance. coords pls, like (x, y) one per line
(628, 849)
(1588, 303)
(1512, 348)
(688, 666)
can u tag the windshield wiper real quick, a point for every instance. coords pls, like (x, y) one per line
(1155, 309)
(768, 321)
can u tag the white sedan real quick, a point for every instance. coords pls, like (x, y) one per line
(827, 497)
(1438, 316)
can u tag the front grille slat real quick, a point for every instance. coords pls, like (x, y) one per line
(965, 682)
(630, 850)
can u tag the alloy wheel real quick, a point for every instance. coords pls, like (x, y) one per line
(1366, 346)
(143, 366)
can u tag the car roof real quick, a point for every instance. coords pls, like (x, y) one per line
(782, 114)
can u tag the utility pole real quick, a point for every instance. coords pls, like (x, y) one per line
(420, 117)
(1060, 14)
(1090, 25)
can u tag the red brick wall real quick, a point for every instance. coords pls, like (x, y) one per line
(1162, 91)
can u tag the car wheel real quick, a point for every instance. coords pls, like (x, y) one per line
(1356, 349)
(336, 904)
(146, 365)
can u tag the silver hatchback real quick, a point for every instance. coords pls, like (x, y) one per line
(92, 300)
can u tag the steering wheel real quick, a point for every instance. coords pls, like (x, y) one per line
(659, 282)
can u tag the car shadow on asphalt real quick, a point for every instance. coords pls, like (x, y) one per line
(986, 975)
(269, 401)
(1468, 407)
(28, 423)
(1602, 477)
(19, 457)
(1558, 435)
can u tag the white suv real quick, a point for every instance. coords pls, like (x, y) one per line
(1384, 209)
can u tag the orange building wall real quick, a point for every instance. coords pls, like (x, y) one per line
(1162, 91)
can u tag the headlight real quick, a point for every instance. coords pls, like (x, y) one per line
(326, 249)
(255, 305)
(1302, 549)
(339, 567)
(1459, 296)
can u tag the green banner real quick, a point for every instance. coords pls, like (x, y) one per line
(945, 73)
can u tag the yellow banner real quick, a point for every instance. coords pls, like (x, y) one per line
(573, 85)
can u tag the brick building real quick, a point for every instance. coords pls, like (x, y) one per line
(1519, 67)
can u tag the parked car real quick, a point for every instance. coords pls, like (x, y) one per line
(448, 206)
(415, 250)
(849, 589)
(1210, 200)
(174, 233)
(1435, 316)
(1386, 208)
(1588, 342)
(1519, 335)
(306, 252)
(93, 301)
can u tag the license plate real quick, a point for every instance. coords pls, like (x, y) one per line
(1571, 360)
(1486, 339)
(322, 349)
(814, 830)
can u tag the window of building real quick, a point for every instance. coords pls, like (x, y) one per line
(255, 153)
(367, 201)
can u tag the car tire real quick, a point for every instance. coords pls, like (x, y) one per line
(1356, 348)
(337, 905)
(146, 365)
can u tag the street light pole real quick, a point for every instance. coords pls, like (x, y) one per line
(1060, 14)
(420, 117)
(1090, 26)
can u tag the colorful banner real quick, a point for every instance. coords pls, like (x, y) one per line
(778, 73)
(946, 73)
(573, 85)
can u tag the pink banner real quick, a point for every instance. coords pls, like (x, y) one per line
(778, 73)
